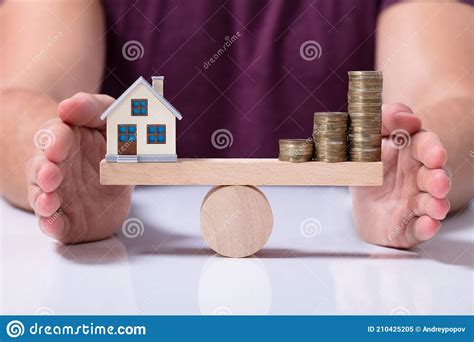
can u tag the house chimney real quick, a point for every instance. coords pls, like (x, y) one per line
(157, 82)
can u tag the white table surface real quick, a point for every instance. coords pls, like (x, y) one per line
(169, 270)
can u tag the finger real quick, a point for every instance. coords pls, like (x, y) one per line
(435, 182)
(427, 148)
(47, 204)
(422, 228)
(43, 173)
(399, 117)
(436, 208)
(33, 193)
(54, 226)
(84, 109)
(49, 177)
(54, 138)
(33, 166)
(396, 107)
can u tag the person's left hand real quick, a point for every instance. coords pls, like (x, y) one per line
(408, 208)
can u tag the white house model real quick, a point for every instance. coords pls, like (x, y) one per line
(141, 125)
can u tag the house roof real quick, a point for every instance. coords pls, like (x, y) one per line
(141, 80)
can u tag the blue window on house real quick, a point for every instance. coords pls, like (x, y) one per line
(139, 107)
(156, 134)
(127, 133)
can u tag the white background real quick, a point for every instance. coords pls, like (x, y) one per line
(169, 270)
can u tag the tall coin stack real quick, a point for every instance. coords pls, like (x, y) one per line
(296, 150)
(330, 136)
(365, 111)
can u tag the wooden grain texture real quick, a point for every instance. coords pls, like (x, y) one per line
(242, 172)
(236, 221)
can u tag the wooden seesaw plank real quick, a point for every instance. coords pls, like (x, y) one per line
(242, 172)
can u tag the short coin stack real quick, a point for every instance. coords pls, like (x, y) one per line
(330, 136)
(296, 150)
(365, 111)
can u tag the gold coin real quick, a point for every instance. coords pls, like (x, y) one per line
(295, 159)
(365, 73)
(365, 88)
(295, 141)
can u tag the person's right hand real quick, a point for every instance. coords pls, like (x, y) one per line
(63, 178)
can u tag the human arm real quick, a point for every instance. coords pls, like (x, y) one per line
(426, 53)
(56, 50)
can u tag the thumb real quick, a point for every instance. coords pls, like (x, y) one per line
(84, 109)
(398, 116)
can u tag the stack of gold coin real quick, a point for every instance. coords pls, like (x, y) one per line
(296, 150)
(365, 112)
(330, 136)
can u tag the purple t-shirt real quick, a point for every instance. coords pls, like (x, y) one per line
(243, 73)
